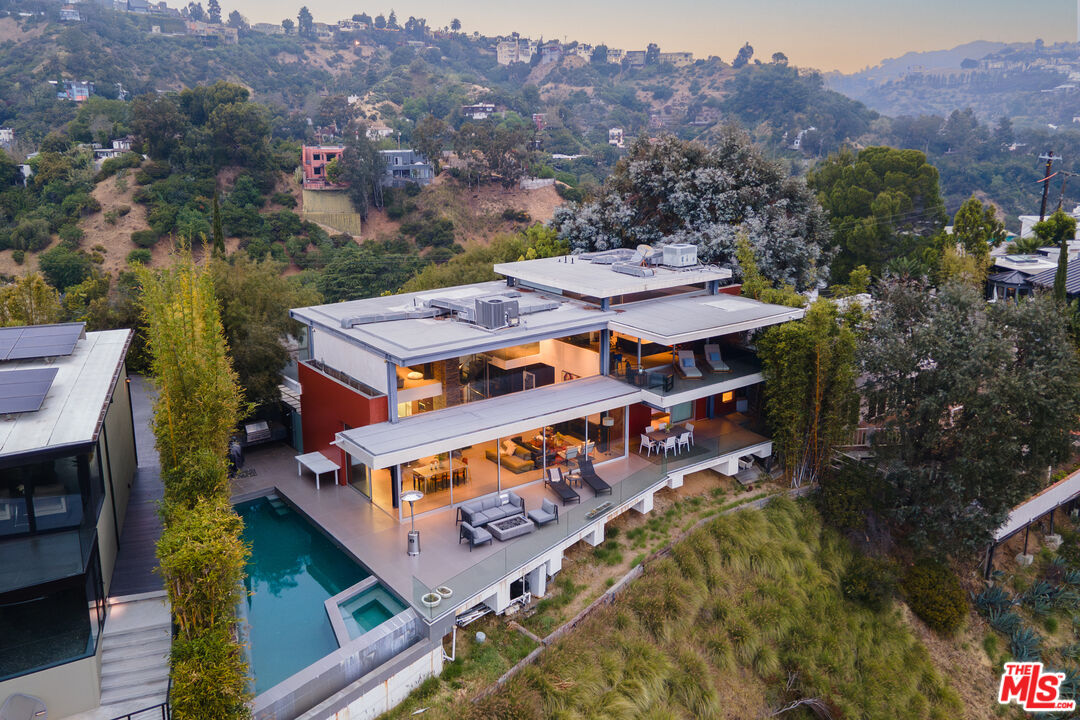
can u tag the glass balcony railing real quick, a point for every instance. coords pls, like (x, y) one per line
(516, 554)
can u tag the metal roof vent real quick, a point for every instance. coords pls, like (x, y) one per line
(496, 312)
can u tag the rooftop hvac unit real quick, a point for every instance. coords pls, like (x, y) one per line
(680, 255)
(633, 269)
(496, 312)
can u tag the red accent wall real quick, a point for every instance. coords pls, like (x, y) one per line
(327, 406)
(732, 289)
(640, 414)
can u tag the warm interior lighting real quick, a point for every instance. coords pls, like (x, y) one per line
(415, 375)
(727, 397)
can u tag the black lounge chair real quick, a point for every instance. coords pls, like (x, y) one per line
(554, 480)
(475, 536)
(590, 478)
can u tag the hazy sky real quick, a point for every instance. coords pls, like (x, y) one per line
(827, 34)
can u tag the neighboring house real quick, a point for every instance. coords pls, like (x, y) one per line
(1010, 274)
(472, 395)
(69, 13)
(550, 52)
(26, 171)
(539, 121)
(514, 50)
(67, 463)
(615, 55)
(480, 111)
(406, 166)
(678, 59)
(77, 90)
(268, 28)
(583, 51)
(798, 141)
(323, 31)
(138, 6)
(224, 33)
(636, 58)
(615, 137)
(705, 116)
(119, 147)
(314, 159)
(379, 132)
(7, 137)
(1028, 222)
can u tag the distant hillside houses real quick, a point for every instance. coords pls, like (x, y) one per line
(515, 50)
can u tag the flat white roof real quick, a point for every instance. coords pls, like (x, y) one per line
(1027, 264)
(73, 408)
(409, 341)
(685, 318)
(386, 444)
(576, 274)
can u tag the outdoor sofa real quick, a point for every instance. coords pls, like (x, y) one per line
(546, 513)
(485, 509)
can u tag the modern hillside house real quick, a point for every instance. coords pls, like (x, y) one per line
(67, 461)
(505, 421)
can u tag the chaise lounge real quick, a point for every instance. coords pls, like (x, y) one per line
(485, 509)
(714, 361)
(554, 480)
(686, 365)
(475, 535)
(590, 478)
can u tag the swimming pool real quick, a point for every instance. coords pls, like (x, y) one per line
(293, 569)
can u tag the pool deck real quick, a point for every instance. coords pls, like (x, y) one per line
(378, 540)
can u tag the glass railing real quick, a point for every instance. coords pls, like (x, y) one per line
(432, 601)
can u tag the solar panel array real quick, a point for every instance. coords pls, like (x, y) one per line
(40, 341)
(24, 390)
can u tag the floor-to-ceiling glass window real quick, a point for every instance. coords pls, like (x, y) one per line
(522, 458)
(478, 470)
(606, 434)
(433, 476)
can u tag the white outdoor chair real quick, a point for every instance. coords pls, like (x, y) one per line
(670, 444)
(661, 425)
(690, 429)
(684, 439)
(648, 445)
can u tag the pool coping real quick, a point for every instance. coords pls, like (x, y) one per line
(337, 621)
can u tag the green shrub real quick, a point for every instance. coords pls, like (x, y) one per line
(933, 593)
(844, 496)
(570, 194)
(140, 256)
(144, 238)
(32, 235)
(18, 256)
(283, 199)
(71, 235)
(869, 582)
(515, 215)
(64, 267)
(114, 165)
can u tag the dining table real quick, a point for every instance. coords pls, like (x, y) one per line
(429, 475)
(672, 431)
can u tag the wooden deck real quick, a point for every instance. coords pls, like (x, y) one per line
(136, 559)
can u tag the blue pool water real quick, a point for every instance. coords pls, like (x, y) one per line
(292, 571)
(368, 610)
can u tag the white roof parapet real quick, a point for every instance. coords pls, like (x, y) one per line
(577, 274)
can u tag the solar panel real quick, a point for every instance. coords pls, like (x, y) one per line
(24, 390)
(39, 341)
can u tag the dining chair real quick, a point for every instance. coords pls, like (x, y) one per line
(669, 444)
(684, 439)
(647, 444)
(661, 426)
(690, 428)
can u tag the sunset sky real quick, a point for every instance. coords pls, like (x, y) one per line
(834, 34)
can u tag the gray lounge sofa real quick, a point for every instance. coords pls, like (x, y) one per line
(485, 509)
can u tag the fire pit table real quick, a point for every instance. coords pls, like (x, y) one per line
(510, 527)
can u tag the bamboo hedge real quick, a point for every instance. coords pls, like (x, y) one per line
(201, 555)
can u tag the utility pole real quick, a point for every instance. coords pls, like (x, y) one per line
(1049, 158)
(1064, 179)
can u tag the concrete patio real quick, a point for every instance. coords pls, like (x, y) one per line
(378, 540)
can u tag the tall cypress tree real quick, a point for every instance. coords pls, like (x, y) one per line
(219, 236)
(1062, 271)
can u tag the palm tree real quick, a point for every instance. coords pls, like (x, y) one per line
(455, 25)
(1025, 245)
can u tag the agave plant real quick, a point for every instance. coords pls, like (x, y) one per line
(1005, 622)
(993, 599)
(1071, 651)
(1071, 577)
(1068, 599)
(1026, 645)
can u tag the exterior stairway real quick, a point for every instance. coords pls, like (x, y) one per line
(135, 655)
